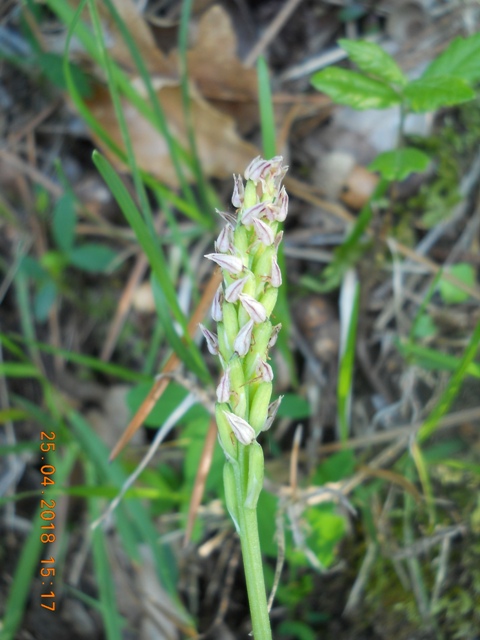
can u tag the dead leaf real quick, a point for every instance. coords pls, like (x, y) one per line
(222, 151)
(155, 61)
(213, 62)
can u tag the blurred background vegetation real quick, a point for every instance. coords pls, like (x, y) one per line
(121, 124)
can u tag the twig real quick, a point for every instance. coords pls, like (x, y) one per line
(269, 34)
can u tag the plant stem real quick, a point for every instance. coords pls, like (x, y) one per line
(252, 557)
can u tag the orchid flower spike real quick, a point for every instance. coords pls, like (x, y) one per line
(246, 251)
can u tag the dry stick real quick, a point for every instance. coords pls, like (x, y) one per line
(200, 479)
(450, 420)
(36, 175)
(270, 33)
(123, 306)
(33, 123)
(160, 385)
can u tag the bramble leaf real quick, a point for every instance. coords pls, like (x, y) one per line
(400, 163)
(429, 94)
(354, 89)
(460, 59)
(374, 60)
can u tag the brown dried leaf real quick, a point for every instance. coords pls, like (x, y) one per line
(213, 63)
(139, 30)
(222, 151)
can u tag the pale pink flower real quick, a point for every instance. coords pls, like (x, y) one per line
(244, 339)
(240, 427)
(223, 389)
(225, 239)
(254, 308)
(235, 289)
(275, 274)
(238, 192)
(264, 232)
(211, 339)
(265, 371)
(232, 264)
(217, 312)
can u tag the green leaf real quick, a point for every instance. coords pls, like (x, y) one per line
(294, 407)
(433, 359)
(296, 630)
(64, 220)
(327, 529)
(32, 268)
(460, 59)
(424, 327)
(449, 292)
(92, 257)
(374, 60)
(44, 299)
(354, 89)
(400, 163)
(429, 94)
(52, 66)
(338, 466)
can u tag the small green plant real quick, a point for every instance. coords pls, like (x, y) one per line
(48, 272)
(246, 251)
(381, 84)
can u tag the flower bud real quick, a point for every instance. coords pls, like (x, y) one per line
(272, 412)
(262, 265)
(275, 273)
(256, 211)
(232, 264)
(238, 192)
(259, 406)
(274, 336)
(240, 427)
(231, 326)
(228, 217)
(223, 389)
(255, 309)
(233, 291)
(263, 231)
(225, 434)
(217, 313)
(269, 300)
(244, 339)
(225, 239)
(278, 239)
(282, 205)
(211, 339)
(264, 371)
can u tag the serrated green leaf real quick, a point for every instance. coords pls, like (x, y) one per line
(374, 60)
(354, 89)
(400, 163)
(449, 292)
(91, 257)
(460, 59)
(64, 220)
(429, 94)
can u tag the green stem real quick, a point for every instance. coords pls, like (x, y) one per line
(252, 557)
